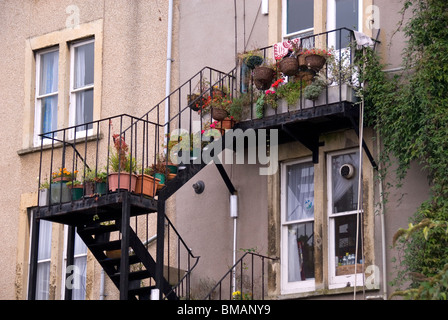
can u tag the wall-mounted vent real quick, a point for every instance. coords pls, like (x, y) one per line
(347, 171)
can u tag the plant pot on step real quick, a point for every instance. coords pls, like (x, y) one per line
(122, 181)
(227, 123)
(263, 77)
(60, 192)
(146, 185)
(289, 66)
(77, 191)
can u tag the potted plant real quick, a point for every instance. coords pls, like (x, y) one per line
(315, 58)
(44, 194)
(251, 58)
(160, 170)
(264, 75)
(220, 105)
(121, 163)
(313, 91)
(77, 189)
(95, 182)
(147, 183)
(59, 191)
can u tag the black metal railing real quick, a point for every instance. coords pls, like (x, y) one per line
(245, 280)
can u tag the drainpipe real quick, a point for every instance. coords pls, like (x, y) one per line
(383, 229)
(234, 216)
(102, 293)
(169, 60)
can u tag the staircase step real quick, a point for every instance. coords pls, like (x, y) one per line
(136, 275)
(116, 261)
(100, 229)
(111, 245)
(143, 292)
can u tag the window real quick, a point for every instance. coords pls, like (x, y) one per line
(81, 86)
(343, 13)
(297, 226)
(77, 273)
(298, 18)
(343, 174)
(46, 107)
(43, 261)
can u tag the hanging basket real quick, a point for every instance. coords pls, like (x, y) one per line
(219, 114)
(306, 75)
(315, 61)
(302, 62)
(263, 77)
(289, 66)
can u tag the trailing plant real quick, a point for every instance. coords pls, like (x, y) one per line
(411, 113)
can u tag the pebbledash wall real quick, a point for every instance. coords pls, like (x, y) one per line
(129, 77)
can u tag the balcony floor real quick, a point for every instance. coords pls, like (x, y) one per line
(106, 207)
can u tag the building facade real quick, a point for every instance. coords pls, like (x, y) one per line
(81, 71)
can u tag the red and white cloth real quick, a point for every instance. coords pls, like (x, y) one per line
(281, 49)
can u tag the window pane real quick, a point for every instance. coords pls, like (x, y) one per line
(79, 281)
(300, 192)
(301, 251)
(345, 244)
(43, 281)
(346, 16)
(345, 189)
(84, 64)
(84, 109)
(49, 114)
(299, 15)
(48, 80)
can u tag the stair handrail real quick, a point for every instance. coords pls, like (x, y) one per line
(233, 268)
(190, 253)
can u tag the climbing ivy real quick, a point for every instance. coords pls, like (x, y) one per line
(411, 113)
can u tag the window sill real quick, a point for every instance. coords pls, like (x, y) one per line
(30, 150)
(323, 293)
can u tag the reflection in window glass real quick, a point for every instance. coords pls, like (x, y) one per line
(299, 15)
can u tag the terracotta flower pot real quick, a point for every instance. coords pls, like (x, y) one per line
(125, 183)
(146, 185)
(227, 123)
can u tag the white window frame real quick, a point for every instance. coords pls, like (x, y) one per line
(337, 281)
(64, 265)
(37, 140)
(286, 286)
(73, 91)
(295, 34)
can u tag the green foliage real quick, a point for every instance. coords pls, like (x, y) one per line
(291, 91)
(411, 114)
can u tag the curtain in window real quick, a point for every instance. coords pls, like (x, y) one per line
(48, 84)
(80, 261)
(300, 206)
(300, 194)
(84, 65)
(43, 260)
